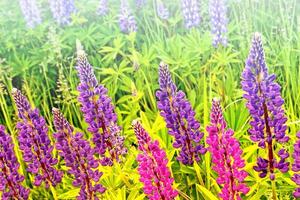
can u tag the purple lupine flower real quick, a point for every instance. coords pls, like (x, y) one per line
(103, 8)
(62, 10)
(79, 158)
(126, 19)
(180, 118)
(153, 170)
(140, 3)
(218, 18)
(10, 179)
(99, 113)
(296, 166)
(191, 13)
(264, 103)
(31, 13)
(162, 11)
(35, 143)
(226, 155)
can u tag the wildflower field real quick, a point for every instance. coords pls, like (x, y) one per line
(150, 99)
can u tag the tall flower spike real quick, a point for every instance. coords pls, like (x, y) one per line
(126, 19)
(180, 118)
(153, 169)
(31, 13)
(99, 113)
(10, 179)
(265, 104)
(35, 143)
(191, 13)
(62, 10)
(162, 11)
(226, 155)
(103, 8)
(79, 157)
(218, 18)
(296, 166)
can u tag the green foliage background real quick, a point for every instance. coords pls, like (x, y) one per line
(41, 63)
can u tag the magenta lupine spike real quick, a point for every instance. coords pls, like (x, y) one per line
(10, 179)
(99, 113)
(35, 143)
(296, 166)
(265, 105)
(180, 118)
(153, 170)
(226, 155)
(79, 158)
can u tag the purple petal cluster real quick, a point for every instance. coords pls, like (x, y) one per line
(31, 13)
(218, 18)
(79, 158)
(99, 113)
(296, 166)
(103, 8)
(126, 19)
(226, 155)
(180, 118)
(153, 170)
(162, 11)
(35, 143)
(265, 105)
(140, 3)
(62, 10)
(191, 13)
(10, 179)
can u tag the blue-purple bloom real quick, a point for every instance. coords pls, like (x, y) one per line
(103, 8)
(62, 10)
(35, 143)
(296, 166)
(99, 113)
(191, 13)
(162, 11)
(31, 13)
(10, 179)
(218, 18)
(79, 158)
(265, 105)
(180, 118)
(140, 3)
(126, 19)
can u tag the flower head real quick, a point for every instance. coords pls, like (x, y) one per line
(31, 13)
(103, 8)
(226, 155)
(191, 13)
(10, 179)
(162, 11)
(265, 105)
(296, 166)
(180, 118)
(62, 10)
(35, 143)
(153, 169)
(79, 157)
(126, 19)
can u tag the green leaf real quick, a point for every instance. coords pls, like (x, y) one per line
(206, 193)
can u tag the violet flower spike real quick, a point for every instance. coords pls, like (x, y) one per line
(296, 166)
(62, 10)
(10, 179)
(191, 13)
(31, 13)
(265, 105)
(99, 113)
(180, 118)
(226, 155)
(218, 18)
(162, 11)
(126, 19)
(35, 143)
(153, 170)
(79, 158)
(103, 8)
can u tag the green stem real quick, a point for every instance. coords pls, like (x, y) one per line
(53, 191)
(274, 190)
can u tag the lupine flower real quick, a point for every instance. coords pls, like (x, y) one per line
(153, 170)
(162, 11)
(218, 18)
(180, 118)
(191, 13)
(10, 179)
(226, 155)
(79, 158)
(99, 113)
(62, 10)
(126, 19)
(296, 166)
(35, 143)
(31, 13)
(265, 104)
(103, 8)
(140, 3)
